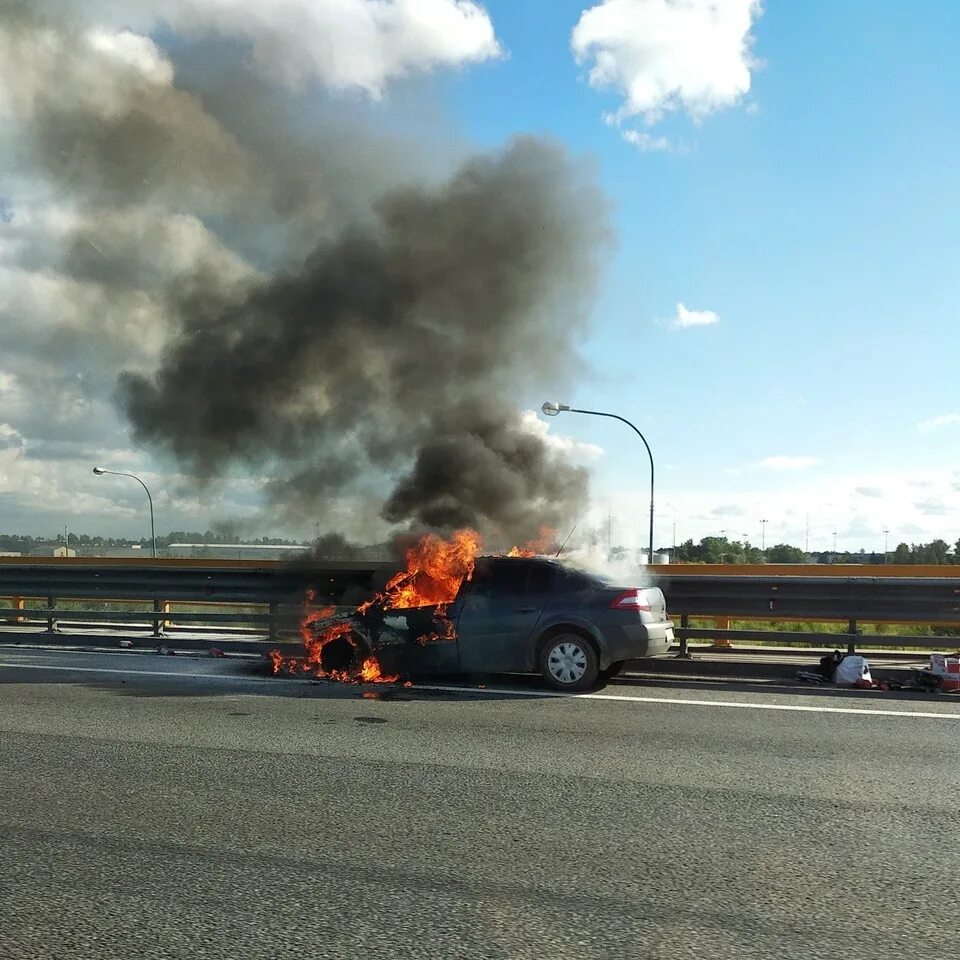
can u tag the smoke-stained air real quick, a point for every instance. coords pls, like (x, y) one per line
(343, 328)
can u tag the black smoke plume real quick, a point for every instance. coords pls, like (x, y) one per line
(285, 285)
(399, 350)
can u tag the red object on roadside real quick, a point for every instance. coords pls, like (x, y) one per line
(947, 669)
(216, 652)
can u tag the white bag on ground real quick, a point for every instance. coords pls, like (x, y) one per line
(852, 669)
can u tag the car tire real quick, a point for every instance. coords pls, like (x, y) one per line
(345, 655)
(569, 662)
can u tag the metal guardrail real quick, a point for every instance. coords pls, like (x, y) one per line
(230, 595)
(268, 595)
(851, 599)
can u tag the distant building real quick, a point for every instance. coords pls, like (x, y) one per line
(132, 550)
(52, 550)
(234, 551)
(9, 553)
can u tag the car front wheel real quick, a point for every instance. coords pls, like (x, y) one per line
(569, 662)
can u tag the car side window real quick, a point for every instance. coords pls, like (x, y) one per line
(575, 583)
(509, 580)
(539, 580)
(494, 580)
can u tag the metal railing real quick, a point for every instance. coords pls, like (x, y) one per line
(253, 598)
(244, 598)
(834, 595)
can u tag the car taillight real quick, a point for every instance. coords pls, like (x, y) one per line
(630, 600)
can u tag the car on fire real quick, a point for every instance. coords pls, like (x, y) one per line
(513, 615)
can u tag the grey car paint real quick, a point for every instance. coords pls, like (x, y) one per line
(507, 610)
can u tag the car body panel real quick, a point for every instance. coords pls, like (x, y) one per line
(505, 613)
(501, 608)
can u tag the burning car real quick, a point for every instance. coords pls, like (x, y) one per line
(507, 614)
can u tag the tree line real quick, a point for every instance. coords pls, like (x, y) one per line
(722, 550)
(24, 543)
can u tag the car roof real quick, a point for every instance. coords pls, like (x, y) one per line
(539, 558)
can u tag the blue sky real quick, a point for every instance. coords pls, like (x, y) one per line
(817, 218)
(793, 178)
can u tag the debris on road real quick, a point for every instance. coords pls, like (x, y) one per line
(166, 651)
(826, 672)
(853, 671)
(842, 669)
(946, 669)
(216, 652)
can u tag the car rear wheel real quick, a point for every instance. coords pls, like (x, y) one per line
(569, 662)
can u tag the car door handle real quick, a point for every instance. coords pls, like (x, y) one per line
(527, 610)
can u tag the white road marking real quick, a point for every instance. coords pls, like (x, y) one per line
(500, 691)
(790, 707)
(168, 674)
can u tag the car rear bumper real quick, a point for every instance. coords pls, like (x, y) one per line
(636, 641)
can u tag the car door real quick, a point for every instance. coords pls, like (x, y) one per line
(499, 613)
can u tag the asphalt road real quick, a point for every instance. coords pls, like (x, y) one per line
(172, 807)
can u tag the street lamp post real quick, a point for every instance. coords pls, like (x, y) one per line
(553, 409)
(100, 471)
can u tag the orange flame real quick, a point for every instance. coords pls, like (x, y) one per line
(315, 641)
(545, 543)
(446, 632)
(370, 672)
(435, 570)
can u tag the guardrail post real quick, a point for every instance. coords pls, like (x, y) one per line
(273, 625)
(722, 623)
(851, 642)
(51, 620)
(684, 653)
(19, 603)
(159, 606)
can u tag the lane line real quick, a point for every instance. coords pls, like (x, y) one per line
(501, 691)
(789, 707)
(166, 674)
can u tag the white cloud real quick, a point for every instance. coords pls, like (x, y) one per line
(931, 507)
(728, 510)
(135, 51)
(646, 142)
(693, 318)
(868, 491)
(342, 43)
(567, 446)
(785, 500)
(787, 463)
(10, 391)
(664, 55)
(938, 423)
